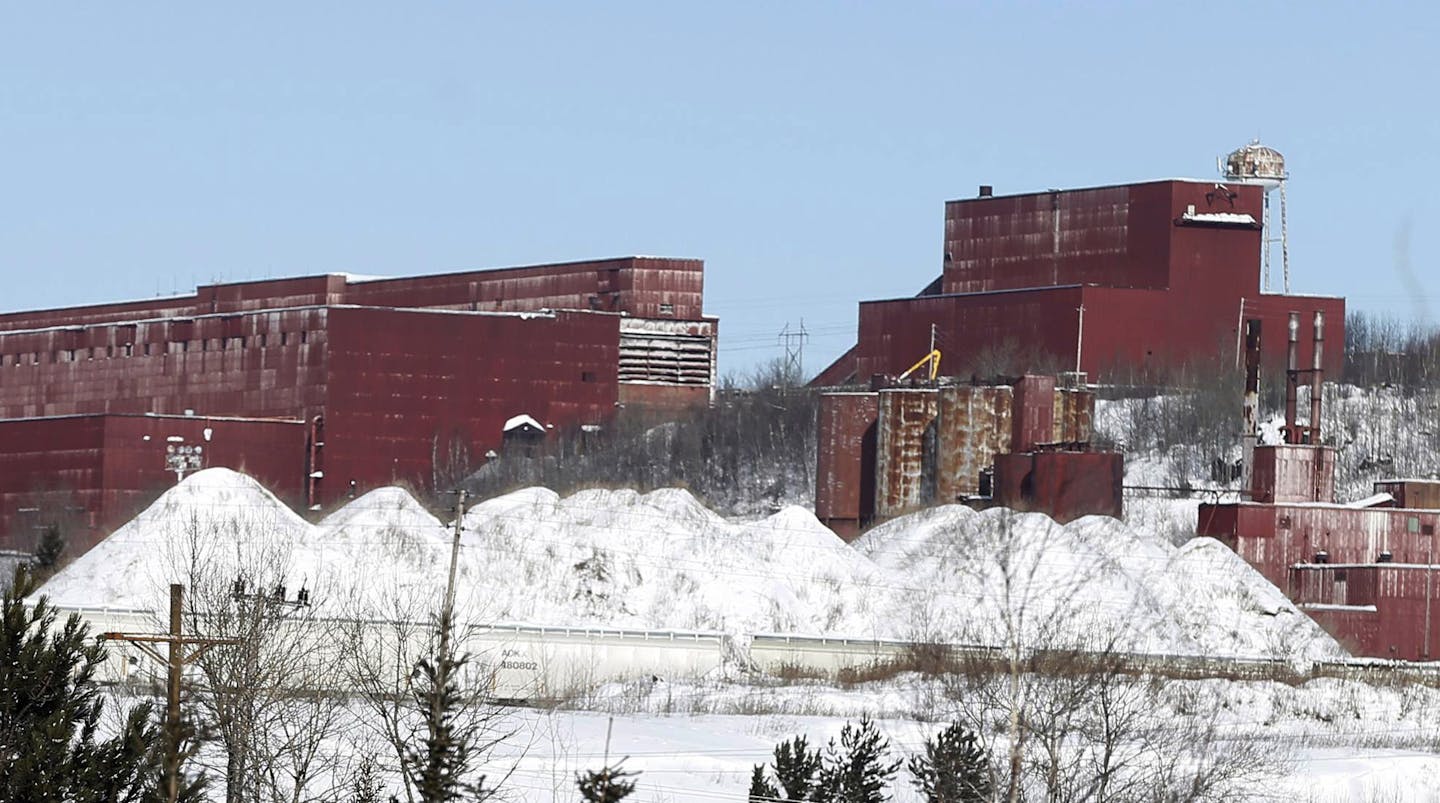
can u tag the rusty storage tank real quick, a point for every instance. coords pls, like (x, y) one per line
(904, 450)
(1255, 163)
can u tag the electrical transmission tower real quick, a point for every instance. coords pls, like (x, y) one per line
(794, 342)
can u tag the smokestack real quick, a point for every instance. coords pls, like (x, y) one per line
(1292, 378)
(1252, 377)
(1317, 378)
(986, 191)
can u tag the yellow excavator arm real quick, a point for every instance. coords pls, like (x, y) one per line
(933, 358)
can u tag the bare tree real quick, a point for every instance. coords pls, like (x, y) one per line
(272, 700)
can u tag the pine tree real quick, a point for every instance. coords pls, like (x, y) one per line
(438, 767)
(50, 710)
(955, 768)
(796, 767)
(761, 789)
(50, 549)
(365, 782)
(608, 785)
(857, 770)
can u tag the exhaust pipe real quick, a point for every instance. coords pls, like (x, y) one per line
(1317, 378)
(1292, 379)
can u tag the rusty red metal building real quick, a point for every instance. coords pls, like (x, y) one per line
(1364, 570)
(394, 380)
(91, 470)
(1106, 280)
(897, 448)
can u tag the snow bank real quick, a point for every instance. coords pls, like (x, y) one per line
(661, 560)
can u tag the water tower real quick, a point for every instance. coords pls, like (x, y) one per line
(1257, 164)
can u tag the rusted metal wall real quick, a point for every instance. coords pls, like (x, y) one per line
(649, 287)
(1293, 473)
(1074, 416)
(973, 425)
(845, 461)
(1033, 422)
(97, 470)
(905, 438)
(978, 333)
(1160, 286)
(646, 287)
(1302, 547)
(414, 384)
(1063, 485)
(262, 364)
(1415, 494)
(411, 391)
(419, 391)
(1051, 238)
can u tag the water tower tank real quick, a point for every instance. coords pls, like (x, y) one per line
(1255, 163)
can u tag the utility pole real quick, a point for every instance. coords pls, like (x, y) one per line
(448, 612)
(175, 661)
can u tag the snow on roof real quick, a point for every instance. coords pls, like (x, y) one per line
(522, 420)
(1374, 500)
(1219, 218)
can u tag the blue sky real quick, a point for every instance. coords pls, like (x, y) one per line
(804, 150)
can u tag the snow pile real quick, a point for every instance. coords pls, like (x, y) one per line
(999, 577)
(663, 560)
(216, 524)
(617, 558)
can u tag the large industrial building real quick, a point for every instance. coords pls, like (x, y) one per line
(1117, 282)
(328, 385)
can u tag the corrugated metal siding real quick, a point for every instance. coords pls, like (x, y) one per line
(845, 461)
(1371, 557)
(408, 386)
(1063, 485)
(1047, 239)
(647, 287)
(973, 331)
(1414, 494)
(903, 480)
(1293, 473)
(974, 425)
(1074, 416)
(267, 364)
(109, 465)
(1033, 422)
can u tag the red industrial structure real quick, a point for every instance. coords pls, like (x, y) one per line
(887, 451)
(1365, 570)
(93, 469)
(1112, 281)
(379, 381)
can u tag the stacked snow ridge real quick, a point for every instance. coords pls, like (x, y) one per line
(663, 561)
(999, 577)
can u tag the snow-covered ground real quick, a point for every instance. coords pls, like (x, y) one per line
(661, 560)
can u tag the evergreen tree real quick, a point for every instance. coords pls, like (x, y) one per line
(955, 768)
(796, 767)
(608, 785)
(438, 767)
(50, 710)
(857, 770)
(761, 789)
(49, 550)
(365, 782)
